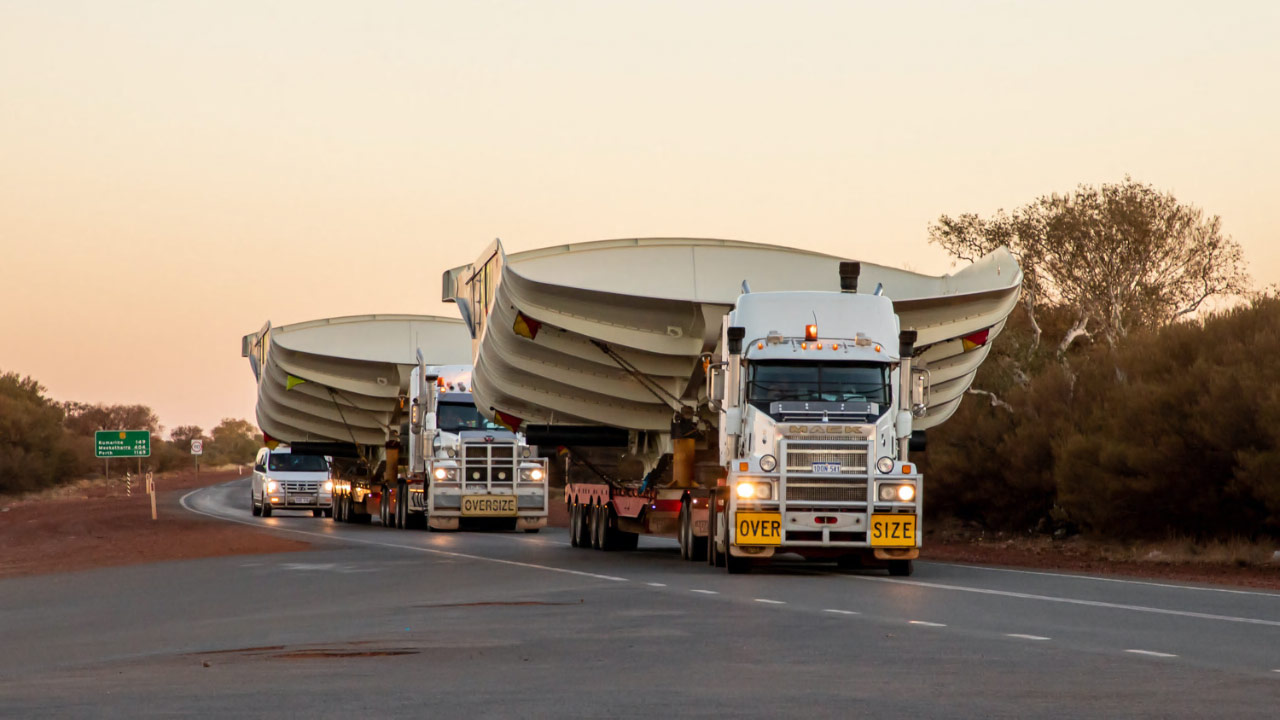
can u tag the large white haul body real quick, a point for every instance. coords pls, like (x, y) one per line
(815, 373)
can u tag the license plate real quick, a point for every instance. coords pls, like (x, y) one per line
(757, 528)
(826, 467)
(893, 531)
(488, 505)
(302, 499)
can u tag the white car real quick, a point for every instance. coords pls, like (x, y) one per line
(286, 481)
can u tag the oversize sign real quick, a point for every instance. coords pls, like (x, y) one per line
(488, 505)
(122, 443)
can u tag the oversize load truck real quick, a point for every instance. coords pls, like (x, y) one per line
(359, 389)
(766, 422)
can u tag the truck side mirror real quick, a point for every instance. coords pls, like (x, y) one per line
(735, 335)
(920, 383)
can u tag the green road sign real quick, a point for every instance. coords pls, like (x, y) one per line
(122, 443)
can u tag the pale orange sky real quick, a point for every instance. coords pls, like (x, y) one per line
(173, 174)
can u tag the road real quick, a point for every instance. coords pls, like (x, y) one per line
(475, 625)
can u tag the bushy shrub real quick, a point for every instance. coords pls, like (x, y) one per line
(34, 451)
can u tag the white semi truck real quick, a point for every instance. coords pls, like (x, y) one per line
(358, 389)
(761, 422)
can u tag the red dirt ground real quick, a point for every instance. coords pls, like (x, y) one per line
(90, 525)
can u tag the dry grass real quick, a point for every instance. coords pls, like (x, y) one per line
(1178, 551)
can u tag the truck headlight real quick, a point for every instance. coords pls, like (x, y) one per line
(755, 490)
(328, 486)
(768, 463)
(885, 466)
(444, 473)
(532, 474)
(271, 486)
(897, 493)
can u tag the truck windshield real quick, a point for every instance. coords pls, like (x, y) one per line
(454, 417)
(771, 381)
(288, 462)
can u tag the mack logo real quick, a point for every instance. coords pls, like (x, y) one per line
(824, 429)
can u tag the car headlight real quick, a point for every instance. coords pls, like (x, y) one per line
(755, 490)
(885, 465)
(897, 493)
(768, 463)
(532, 474)
(271, 486)
(328, 486)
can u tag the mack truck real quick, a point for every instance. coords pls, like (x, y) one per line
(757, 400)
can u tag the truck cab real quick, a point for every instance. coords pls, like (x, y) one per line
(471, 467)
(816, 394)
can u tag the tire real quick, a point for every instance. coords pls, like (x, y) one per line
(532, 531)
(266, 507)
(328, 512)
(384, 507)
(736, 565)
(317, 513)
(340, 508)
(402, 505)
(685, 532)
(901, 568)
(598, 524)
(253, 506)
(576, 530)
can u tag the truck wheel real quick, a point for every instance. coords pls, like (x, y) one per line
(253, 506)
(384, 508)
(532, 531)
(685, 533)
(901, 568)
(266, 507)
(317, 513)
(573, 525)
(328, 512)
(340, 508)
(579, 535)
(736, 565)
(402, 505)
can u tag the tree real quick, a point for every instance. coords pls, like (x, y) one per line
(233, 441)
(1117, 256)
(182, 435)
(85, 419)
(33, 445)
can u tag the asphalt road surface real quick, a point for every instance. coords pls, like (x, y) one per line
(381, 622)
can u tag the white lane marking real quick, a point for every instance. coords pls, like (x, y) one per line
(1020, 636)
(705, 592)
(1067, 576)
(926, 624)
(415, 548)
(1151, 653)
(770, 602)
(1070, 601)
(656, 584)
(840, 612)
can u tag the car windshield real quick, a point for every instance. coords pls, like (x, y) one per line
(455, 417)
(818, 382)
(288, 462)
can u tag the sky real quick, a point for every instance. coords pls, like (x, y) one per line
(175, 174)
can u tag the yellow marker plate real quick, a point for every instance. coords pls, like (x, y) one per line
(488, 505)
(757, 528)
(893, 531)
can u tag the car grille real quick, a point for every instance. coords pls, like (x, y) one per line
(294, 486)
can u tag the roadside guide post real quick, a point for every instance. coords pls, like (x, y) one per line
(151, 488)
(123, 443)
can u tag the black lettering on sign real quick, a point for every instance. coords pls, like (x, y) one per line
(877, 532)
(775, 528)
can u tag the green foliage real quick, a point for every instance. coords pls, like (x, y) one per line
(1175, 431)
(34, 451)
(233, 441)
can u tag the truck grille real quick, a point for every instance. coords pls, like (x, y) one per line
(803, 493)
(852, 458)
(295, 486)
(488, 464)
